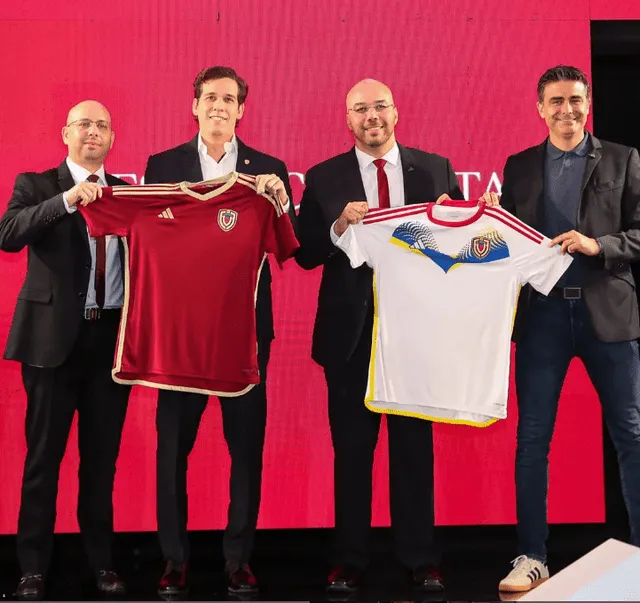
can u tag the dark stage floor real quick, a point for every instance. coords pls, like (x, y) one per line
(291, 565)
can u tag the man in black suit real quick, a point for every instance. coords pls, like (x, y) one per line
(218, 104)
(64, 333)
(584, 193)
(386, 174)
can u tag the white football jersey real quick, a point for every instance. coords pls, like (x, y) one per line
(446, 284)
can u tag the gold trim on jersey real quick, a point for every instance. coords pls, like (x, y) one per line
(250, 181)
(369, 397)
(122, 333)
(227, 181)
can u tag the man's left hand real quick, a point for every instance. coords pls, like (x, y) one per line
(273, 185)
(574, 242)
(491, 199)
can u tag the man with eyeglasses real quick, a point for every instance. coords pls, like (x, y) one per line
(378, 172)
(64, 334)
(218, 105)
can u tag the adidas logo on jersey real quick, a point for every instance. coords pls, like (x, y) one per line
(167, 214)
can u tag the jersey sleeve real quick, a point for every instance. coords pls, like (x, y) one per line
(356, 244)
(536, 263)
(281, 238)
(111, 214)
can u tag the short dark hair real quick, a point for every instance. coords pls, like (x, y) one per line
(218, 73)
(561, 73)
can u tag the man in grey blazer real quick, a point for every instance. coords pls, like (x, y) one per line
(584, 193)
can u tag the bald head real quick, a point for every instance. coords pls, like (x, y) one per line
(368, 89)
(83, 109)
(372, 117)
(88, 134)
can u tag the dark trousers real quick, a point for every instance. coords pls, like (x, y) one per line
(557, 331)
(244, 420)
(354, 433)
(82, 383)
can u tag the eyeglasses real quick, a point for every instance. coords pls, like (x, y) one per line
(85, 124)
(364, 109)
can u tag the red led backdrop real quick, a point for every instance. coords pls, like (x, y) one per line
(463, 74)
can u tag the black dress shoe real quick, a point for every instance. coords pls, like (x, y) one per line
(174, 580)
(427, 578)
(240, 579)
(30, 588)
(110, 583)
(344, 579)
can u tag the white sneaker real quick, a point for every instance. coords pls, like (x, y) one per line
(526, 574)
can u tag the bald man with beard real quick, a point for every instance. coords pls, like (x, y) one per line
(64, 334)
(377, 172)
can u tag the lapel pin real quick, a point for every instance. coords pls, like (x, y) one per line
(247, 162)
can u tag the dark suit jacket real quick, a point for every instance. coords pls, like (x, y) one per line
(345, 293)
(183, 163)
(51, 302)
(609, 209)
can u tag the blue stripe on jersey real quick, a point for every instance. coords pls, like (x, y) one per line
(488, 246)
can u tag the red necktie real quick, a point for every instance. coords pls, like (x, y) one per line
(383, 185)
(101, 261)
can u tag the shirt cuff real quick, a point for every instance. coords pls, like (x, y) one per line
(70, 209)
(334, 237)
(601, 252)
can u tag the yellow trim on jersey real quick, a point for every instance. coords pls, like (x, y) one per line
(121, 339)
(371, 389)
(406, 413)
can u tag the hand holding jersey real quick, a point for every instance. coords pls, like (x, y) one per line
(353, 213)
(272, 184)
(574, 242)
(491, 199)
(83, 193)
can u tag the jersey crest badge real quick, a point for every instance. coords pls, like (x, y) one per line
(480, 247)
(227, 219)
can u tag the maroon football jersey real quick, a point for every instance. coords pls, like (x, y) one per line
(193, 255)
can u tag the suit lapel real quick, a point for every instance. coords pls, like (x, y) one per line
(409, 176)
(532, 206)
(65, 182)
(244, 163)
(593, 158)
(191, 161)
(349, 179)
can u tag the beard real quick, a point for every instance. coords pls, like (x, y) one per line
(377, 141)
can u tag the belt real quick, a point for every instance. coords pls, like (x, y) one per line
(566, 292)
(97, 313)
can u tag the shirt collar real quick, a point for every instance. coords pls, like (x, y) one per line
(365, 160)
(581, 150)
(229, 147)
(80, 174)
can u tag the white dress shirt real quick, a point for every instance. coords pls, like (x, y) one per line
(113, 286)
(211, 168)
(369, 175)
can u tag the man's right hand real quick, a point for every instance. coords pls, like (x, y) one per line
(353, 213)
(83, 193)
